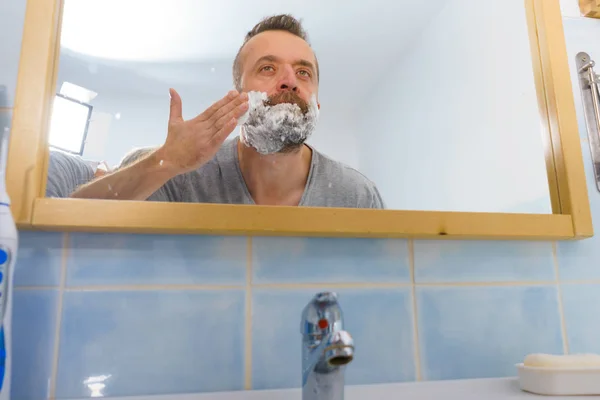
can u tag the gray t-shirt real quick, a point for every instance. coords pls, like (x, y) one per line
(65, 173)
(330, 183)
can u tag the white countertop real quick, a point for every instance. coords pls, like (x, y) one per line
(473, 389)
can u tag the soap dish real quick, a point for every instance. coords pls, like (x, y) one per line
(559, 381)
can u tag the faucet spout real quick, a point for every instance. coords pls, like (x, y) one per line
(326, 349)
(335, 351)
(340, 350)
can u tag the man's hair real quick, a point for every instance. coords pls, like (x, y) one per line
(282, 22)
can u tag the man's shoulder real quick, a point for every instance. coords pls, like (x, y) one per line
(343, 173)
(341, 180)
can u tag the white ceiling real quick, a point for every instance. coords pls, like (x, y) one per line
(128, 44)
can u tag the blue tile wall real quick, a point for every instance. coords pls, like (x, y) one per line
(477, 332)
(296, 260)
(477, 261)
(580, 303)
(39, 259)
(150, 342)
(140, 314)
(34, 332)
(275, 337)
(105, 259)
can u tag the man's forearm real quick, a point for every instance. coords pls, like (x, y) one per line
(135, 182)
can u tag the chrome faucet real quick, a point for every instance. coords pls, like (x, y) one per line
(326, 349)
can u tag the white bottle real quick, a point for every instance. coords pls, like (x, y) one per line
(8, 255)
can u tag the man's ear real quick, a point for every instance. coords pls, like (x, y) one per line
(319, 106)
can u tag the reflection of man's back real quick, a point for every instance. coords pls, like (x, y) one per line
(66, 172)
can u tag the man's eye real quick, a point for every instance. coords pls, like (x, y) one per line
(304, 72)
(267, 68)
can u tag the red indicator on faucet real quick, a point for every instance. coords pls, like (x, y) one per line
(323, 323)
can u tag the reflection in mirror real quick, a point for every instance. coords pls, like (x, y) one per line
(413, 105)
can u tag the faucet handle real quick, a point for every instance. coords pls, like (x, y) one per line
(322, 315)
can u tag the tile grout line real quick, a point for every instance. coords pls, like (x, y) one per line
(59, 307)
(248, 319)
(331, 285)
(580, 282)
(108, 288)
(486, 284)
(561, 310)
(38, 287)
(417, 348)
(309, 285)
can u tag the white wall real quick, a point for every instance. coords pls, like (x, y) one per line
(337, 136)
(570, 8)
(454, 125)
(142, 122)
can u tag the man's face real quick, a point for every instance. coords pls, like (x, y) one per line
(279, 68)
(282, 65)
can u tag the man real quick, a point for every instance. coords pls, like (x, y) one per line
(65, 173)
(269, 164)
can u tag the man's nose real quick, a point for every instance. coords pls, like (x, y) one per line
(288, 81)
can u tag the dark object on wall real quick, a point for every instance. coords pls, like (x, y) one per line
(589, 82)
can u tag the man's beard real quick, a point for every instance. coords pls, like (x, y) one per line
(278, 124)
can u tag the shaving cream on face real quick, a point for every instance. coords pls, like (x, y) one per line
(270, 129)
(254, 100)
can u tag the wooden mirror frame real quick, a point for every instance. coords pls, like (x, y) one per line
(28, 153)
(590, 8)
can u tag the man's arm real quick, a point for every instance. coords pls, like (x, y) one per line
(137, 181)
(189, 145)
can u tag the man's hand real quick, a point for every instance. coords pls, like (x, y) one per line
(191, 144)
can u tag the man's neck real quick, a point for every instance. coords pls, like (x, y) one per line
(275, 179)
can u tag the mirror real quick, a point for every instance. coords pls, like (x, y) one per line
(415, 105)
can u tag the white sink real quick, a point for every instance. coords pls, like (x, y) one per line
(473, 389)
